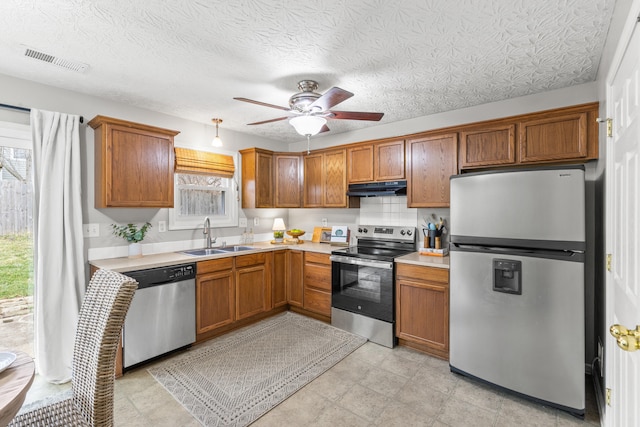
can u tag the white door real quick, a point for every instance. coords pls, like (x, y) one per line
(623, 226)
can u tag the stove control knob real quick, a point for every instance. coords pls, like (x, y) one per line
(364, 230)
(359, 230)
(402, 232)
(409, 232)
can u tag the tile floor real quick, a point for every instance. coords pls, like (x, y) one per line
(374, 386)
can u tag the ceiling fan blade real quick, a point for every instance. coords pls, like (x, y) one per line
(355, 115)
(333, 96)
(324, 128)
(264, 104)
(269, 121)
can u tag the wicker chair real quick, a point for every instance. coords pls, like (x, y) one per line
(101, 318)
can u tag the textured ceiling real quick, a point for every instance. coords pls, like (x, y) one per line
(411, 58)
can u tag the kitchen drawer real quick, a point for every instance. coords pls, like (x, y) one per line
(317, 276)
(416, 272)
(317, 301)
(316, 258)
(212, 265)
(251, 259)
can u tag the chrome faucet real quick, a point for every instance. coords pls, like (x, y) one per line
(207, 233)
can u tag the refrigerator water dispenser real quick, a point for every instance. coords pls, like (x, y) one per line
(507, 276)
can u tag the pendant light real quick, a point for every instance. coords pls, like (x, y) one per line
(216, 142)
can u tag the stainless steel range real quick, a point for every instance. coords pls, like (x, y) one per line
(363, 281)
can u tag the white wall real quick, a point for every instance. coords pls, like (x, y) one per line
(28, 94)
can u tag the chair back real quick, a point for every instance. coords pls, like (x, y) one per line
(102, 315)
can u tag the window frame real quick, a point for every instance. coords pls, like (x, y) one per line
(232, 201)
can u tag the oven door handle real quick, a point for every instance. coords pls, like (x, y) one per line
(361, 262)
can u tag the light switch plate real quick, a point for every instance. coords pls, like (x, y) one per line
(90, 230)
(162, 226)
(324, 222)
(256, 221)
(242, 222)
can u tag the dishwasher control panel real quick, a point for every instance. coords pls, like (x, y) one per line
(161, 275)
(182, 272)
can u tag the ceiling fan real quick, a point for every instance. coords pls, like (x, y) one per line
(308, 111)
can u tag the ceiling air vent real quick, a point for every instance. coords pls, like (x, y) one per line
(64, 63)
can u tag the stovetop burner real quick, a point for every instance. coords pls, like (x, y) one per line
(381, 242)
(371, 253)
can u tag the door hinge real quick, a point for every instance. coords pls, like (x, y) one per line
(609, 123)
(608, 397)
(609, 256)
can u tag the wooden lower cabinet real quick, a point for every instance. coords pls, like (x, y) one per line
(295, 279)
(215, 294)
(231, 289)
(252, 285)
(317, 283)
(422, 308)
(279, 267)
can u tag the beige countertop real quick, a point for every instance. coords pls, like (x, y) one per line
(424, 260)
(176, 258)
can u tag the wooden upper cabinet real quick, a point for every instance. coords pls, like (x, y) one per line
(335, 179)
(288, 175)
(257, 178)
(313, 180)
(381, 161)
(388, 161)
(488, 146)
(133, 164)
(325, 179)
(430, 163)
(360, 163)
(563, 135)
(554, 138)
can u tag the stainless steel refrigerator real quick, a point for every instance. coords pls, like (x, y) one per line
(517, 282)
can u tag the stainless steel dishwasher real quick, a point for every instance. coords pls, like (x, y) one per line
(162, 316)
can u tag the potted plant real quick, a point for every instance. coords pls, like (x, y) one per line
(132, 234)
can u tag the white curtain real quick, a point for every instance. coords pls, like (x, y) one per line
(58, 242)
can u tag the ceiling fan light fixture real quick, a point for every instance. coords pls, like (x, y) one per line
(216, 141)
(308, 125)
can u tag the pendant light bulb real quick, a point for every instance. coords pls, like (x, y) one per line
(217, 141)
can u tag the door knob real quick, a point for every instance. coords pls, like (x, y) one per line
(628, 340)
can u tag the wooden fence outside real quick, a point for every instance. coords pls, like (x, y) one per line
(16, 207)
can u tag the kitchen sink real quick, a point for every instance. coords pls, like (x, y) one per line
(235, 248)
(203, 252)
(219, 250)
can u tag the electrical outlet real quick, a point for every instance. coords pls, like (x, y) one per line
(242, 223)
(90, 230)
(256, 221)
(324, 222)
(162, 226)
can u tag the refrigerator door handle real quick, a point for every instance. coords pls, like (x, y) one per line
(576, 256)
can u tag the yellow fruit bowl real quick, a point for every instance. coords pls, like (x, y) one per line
(295, 233)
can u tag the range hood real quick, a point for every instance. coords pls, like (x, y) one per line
(375, 189)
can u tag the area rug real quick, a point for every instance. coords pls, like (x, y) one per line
(234, 379)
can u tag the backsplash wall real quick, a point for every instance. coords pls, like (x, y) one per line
(392, 211)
